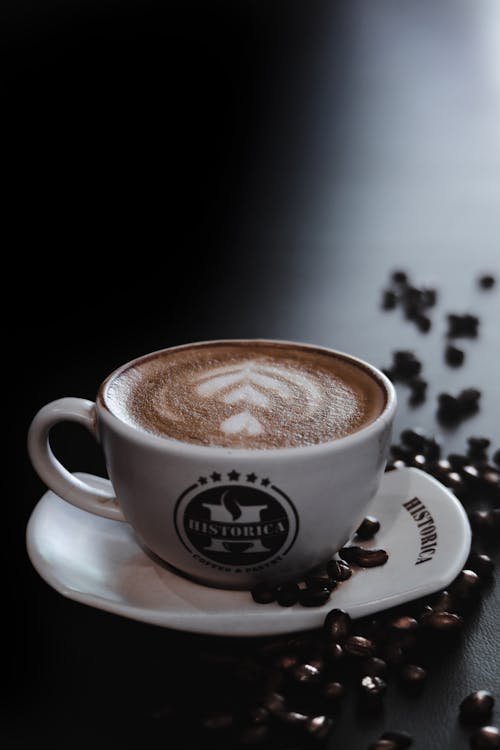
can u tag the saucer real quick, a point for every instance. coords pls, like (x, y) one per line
(99, 562)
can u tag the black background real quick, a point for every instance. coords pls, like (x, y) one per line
(184, 171)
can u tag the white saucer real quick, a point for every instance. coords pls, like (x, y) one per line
(99, 562)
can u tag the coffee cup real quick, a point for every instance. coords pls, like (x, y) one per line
(235, 462)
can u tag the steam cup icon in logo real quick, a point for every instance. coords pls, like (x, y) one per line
(236, 526)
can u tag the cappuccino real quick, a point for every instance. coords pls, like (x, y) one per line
(246, 394)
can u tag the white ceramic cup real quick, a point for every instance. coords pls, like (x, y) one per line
(304, 503)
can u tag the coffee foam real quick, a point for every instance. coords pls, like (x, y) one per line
(246, 395)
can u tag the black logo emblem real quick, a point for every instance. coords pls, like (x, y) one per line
(236, 526)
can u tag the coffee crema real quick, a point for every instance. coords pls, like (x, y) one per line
(248, 394)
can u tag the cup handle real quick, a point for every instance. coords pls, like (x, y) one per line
(99, 501)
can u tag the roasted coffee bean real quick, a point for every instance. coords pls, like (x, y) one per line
(399, 277)
(259, 715)
(374, 667)
(419, 461)
(371, 558)
(402, 739)
(406, 365)
(263, 594)
(254, 735)
(373, 686)
(462, 325)
(415, 439)
(318, 579)
(398, 451)
(287, 595)
(218, 721)
(334, 652)
(368, 528)
(481, 564)
(486, 738)
(457, 461)
(469, 398)
(359, 646)
(454, 356)
(483, 521)
(413, 674)
(478, 447)
(418, 388)
(349, 554)
(487, 281)
(318, 727)
(444, 602)
(306, 674)
(314, 596)
(337, 624)
(466, 584)
(447, 622)
(389, 299)
(273, 702)
(477, 707)
(496, 457)
(292, 718)
(432, 450)
(338, 570)
(383, 744)
(403, 624)
(286, 661)
(334, 691)
(423, 322)
(394, 465)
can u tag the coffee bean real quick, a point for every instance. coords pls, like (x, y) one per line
(318, 727)
(287, 595)
(478, 447)
(371, 558)
(423, 322)
(273, 702)
(419, 461)
(447, 622)
(432, 450)
(469, 399)
(415, 439)
(334, 690)
(314, 596)
(374, 667)
(286, 661)
(462, 325)
(466, 584)
(262, 594)
(402, 739)
(218, 721)
(254, 735)
(337, 624)
(349, 554)
(292, 718)
(306, 674)
(406, 365)
(334, 652)
(315, 580)
(457, 461)
(418, 388)
(487, 281)
(477, 706)
(403, 624)
(395, 465)
(259, 715)
(483, 522)
(368, 528)
(399, 277)
(358, 645)
(481, 564)
(486, 738)
(454, 356)
(444, 602)
(373, 686)
(389, 300)
(413, 674)
(383, 744)
(338, 570)
(496, 457)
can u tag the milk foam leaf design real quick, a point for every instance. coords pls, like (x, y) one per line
(254, 384)
(243, 422)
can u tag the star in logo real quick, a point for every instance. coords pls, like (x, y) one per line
(265, 482)
(215, 476)
(251, 477)
(202, 480)
(233, 475)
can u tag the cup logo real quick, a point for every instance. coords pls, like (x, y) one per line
(234, 525)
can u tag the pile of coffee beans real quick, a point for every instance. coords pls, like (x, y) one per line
(406, 368)
(315, 589)
(415, 301)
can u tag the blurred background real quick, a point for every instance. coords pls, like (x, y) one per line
(180, 171)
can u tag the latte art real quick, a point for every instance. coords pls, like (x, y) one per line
(246, 394)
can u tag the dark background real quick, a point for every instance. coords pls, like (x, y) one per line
(181, 171)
